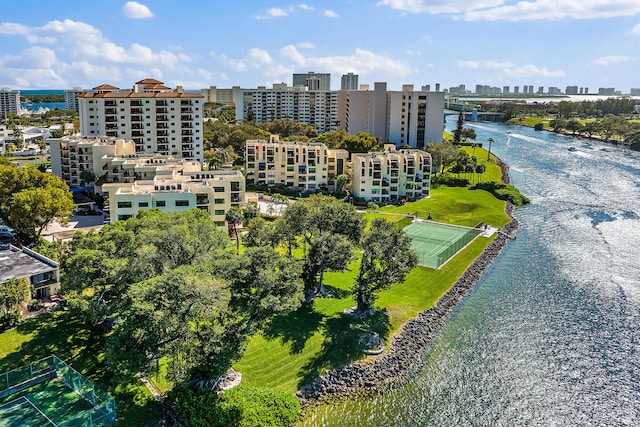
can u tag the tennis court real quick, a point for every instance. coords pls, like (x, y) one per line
(437, 242)
(48, 393)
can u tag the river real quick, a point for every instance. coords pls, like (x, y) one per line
(550, 336)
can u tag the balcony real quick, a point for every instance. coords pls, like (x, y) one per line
(186, 126)
(235, 198)
(162, 110)
(162, 126)
(161, 103)
(109, 103)
(136, 118)
(187, 132)
(136, 103)
(136, 111)
(111, 111)
(137, 133)
(162, 133)
(162, 118)
(186, 117)
(185, 102)
(202, 200)
(186, 110)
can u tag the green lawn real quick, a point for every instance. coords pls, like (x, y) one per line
(298, 347)
(68, 337)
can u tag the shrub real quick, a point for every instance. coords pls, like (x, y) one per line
(503, 191)
(450, 181)
(238, 407)
(538, 126)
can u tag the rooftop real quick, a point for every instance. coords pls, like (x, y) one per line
(18, 263)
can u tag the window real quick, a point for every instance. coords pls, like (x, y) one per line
(161, 203)
(122, 205)
(143, 204)
(123, 217)
(218, 201)
(218, 189)
(182, 203)
(218, 212)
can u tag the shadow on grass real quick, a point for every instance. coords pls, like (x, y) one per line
(341, 342)
(81, 345)
(337, 292)
(295, 327)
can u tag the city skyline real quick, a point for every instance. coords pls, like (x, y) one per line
(588, 43)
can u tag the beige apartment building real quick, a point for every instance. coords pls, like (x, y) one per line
(305, 166)
(155, 117)
(115, 160)
(172, 191)
(391, 175)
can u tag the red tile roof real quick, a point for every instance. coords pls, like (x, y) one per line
(105, 87)
(149, 81)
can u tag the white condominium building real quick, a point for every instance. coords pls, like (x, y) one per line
(305, 166)
(115, 160)
(9, 102)
(391, 175)
(157, 118)
(213, 191)
(318, 108)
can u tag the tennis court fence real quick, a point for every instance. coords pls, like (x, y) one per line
(103, 411)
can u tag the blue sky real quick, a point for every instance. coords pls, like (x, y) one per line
(62, 44)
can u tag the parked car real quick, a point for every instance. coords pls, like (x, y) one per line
(5, 234)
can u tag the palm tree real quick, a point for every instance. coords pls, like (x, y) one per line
(490, 142)
(234, 217)
(342, 181)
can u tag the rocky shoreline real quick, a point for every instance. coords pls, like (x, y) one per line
(407, 344)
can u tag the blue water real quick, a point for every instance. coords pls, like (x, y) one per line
(550, 336)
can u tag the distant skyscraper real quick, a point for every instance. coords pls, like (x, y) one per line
(571, 90)
(525, 89)
(9, 101)
(540, 89)
(516, 89)
(71, 98)
(437, 87)
(530, 89)
(314, 81)
(349, 81)
(505, 89)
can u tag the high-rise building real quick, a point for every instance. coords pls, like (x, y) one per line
(540, 90)
(404, 117)
(516, 89)
(312, 80)
(349, 81)
(317, 108)
(530, 89)
(71, 98)
(505, 89)
(157, 118)
(634, 91)
(606, 91)
(219, 95)
(9, 101)
(571, 90)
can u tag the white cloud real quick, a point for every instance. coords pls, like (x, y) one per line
(306, 45)
(278, 66)
(497, 10)
(330, 14)
(636, 30)
(439, 6)
(510, 69)
(613, 59)
(306, 7)
(83, 41)
(11, 28)
(274, 12)
(135, 10)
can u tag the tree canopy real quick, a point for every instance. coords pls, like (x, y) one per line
(32, 199)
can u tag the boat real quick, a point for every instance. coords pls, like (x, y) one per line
(572, 148)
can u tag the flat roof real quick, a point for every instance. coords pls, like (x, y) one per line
(16, 263)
